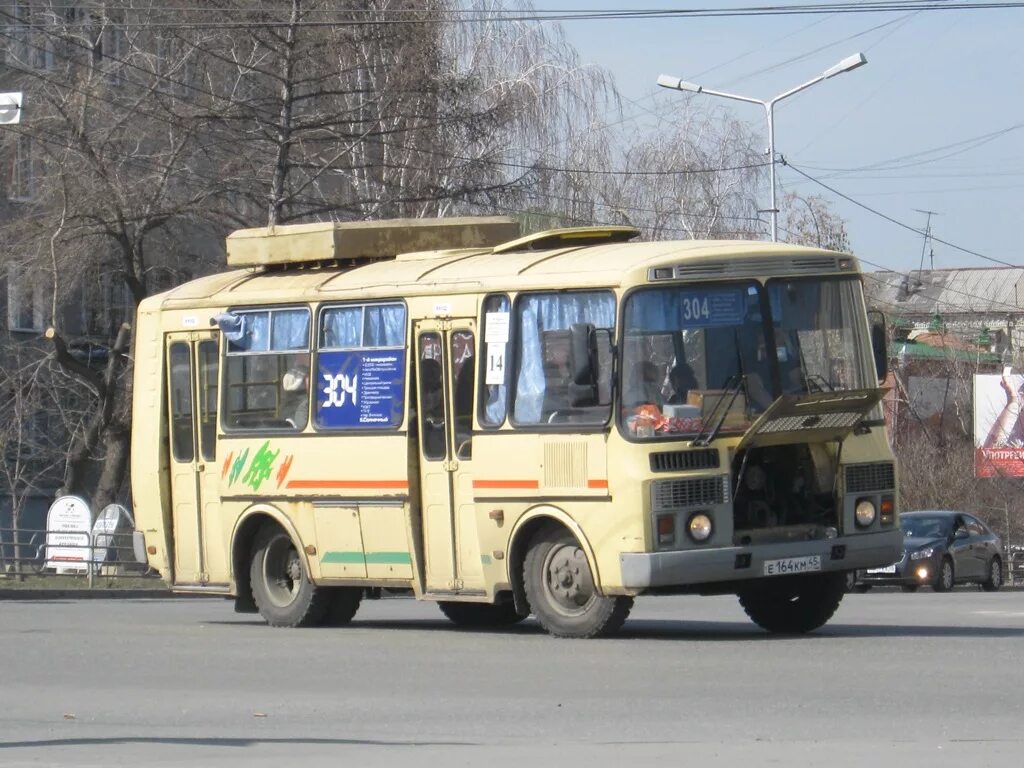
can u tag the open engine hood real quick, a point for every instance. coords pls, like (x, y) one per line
(820, 417)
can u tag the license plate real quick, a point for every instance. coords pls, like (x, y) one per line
(792, 565)
(883, 569)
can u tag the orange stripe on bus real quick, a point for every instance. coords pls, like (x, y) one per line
(523, 484)
(597, 483)
(336, 484)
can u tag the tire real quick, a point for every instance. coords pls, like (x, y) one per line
(909, 587)
(344, 602)
(561, 591)
(281, 588)
(995, 576)
(793, 605)
(480, 614)
(946, 577)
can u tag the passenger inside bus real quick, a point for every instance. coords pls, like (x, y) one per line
(295, 396)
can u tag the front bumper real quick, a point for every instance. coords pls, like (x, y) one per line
(905, 572)
(643, 570)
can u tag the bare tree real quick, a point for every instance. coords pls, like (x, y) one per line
(810, 220)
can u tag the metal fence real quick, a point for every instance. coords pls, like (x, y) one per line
(86, 554)
(1015, 567)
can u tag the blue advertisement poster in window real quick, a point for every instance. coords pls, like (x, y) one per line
(360, 389)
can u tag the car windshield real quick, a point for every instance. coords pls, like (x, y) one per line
(699, 356)
(925, 527)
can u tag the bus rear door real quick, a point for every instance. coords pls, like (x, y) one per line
(192, 375)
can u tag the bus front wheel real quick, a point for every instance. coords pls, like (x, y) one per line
(281, 587)
(793, 604)
(561, 590)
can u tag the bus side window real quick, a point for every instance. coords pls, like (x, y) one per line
(431, 386)
(494, 396)
(267, 370)
(463, 372)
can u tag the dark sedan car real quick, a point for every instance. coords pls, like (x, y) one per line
(940, 549)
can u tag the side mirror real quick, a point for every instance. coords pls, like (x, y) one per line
(879, 344)
(961, 533)
(582, 365)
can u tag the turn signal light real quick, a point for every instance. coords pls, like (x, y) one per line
(666, 529)
(886, 510)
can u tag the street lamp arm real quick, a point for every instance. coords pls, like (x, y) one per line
(732, 96)
(796, 90)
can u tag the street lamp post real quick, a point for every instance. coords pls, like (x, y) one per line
(847, 64)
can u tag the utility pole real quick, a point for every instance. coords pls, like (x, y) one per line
(927, 239)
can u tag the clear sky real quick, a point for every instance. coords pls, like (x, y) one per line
(935, 121)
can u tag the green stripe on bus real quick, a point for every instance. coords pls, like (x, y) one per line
(370, 558)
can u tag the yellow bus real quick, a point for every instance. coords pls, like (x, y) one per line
(548, 425)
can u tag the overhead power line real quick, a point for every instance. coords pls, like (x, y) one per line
(417, 16)
(899, 223)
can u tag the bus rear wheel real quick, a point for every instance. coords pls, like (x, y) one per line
(480, 614)
(561, 590)
(793, 605)
(281, 587)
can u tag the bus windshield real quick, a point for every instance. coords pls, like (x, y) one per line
(694, 355)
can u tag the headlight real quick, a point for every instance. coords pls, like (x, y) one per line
(699, 527)
(921, 554)
(864, 513)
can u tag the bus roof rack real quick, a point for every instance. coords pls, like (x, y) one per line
(353, 242)
(569, 237)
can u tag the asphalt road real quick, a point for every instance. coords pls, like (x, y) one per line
(925, 679)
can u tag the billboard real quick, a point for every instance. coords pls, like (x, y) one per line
(998, 428)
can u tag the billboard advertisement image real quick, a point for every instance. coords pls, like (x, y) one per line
(998, 428)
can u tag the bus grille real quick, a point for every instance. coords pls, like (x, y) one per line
(861, 478)
(787, 265)
(674, 461)
(674, 494)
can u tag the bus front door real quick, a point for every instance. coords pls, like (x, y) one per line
(192, 375)
(445, 385)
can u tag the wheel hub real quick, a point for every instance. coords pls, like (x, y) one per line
(568, 579)
(283, 572)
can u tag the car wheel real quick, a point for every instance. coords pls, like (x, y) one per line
(945, 578)
(995, 576)
(793, 605)
(561, 590)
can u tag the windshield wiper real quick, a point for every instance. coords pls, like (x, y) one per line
(733, 386)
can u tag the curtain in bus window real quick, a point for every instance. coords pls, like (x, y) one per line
(290, 330)
(540, 313)
(385, 326)
(342, 328)
(254, 335)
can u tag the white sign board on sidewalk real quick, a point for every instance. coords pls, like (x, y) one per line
(113, 519)
(68, 524)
